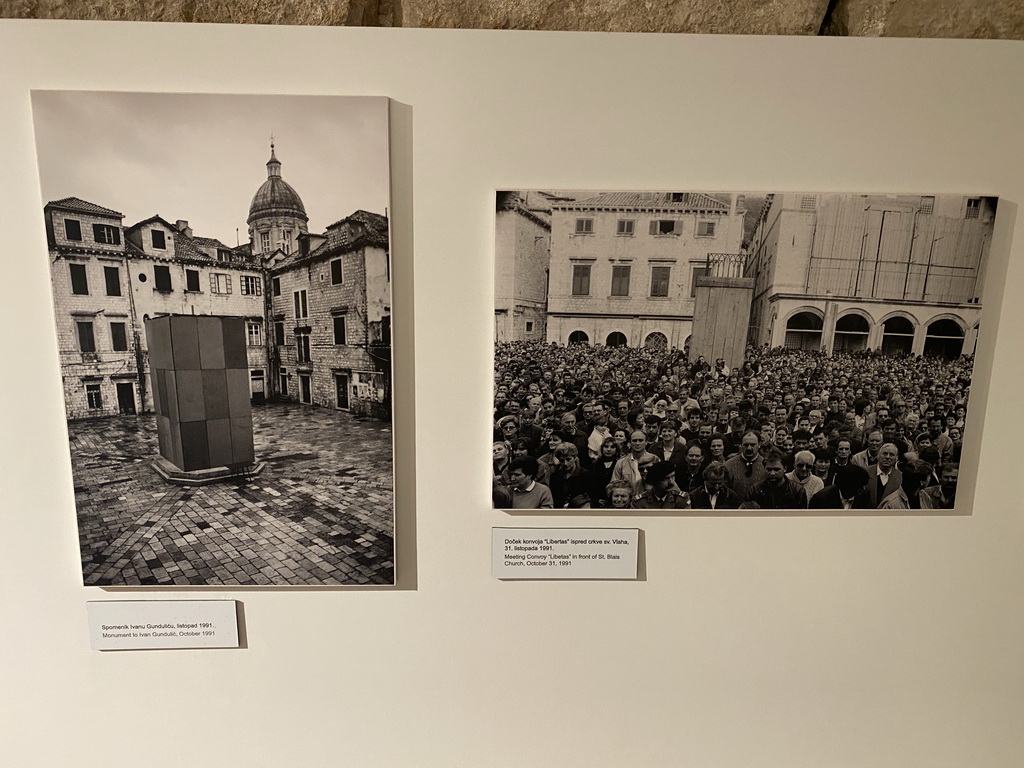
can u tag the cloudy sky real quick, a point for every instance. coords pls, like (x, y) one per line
(202, 157)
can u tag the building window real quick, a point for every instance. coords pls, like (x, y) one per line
(808, 202)
(302, 347)
(339, 330)
(79, 280)
(694, 274)
(625, 227)
(584, 226)
(220, 282)
(705, 229)
(254, 332)
(659, 280)
(286, 244)
(162, 278)
(104, 233)
(581, 280)
(251, 286)
(264, 242)
(973, 208)
(223, 256)
(86, 339)
(72, 229)
(277, 286)
(279, 333)
(118, 337)
(529, 326)
(159, 241)
(337, 277)
(113, 277)
(301, 307)
(927, 205)
(93, 396)
(192, 280)
(666, 227)
(620, 281)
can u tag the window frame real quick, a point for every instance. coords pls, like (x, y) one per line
(153, 239)
(111, 235)
(264, 242)
(344, 331)
(584, 226)
(620, 280)
(337, 275)
(697, 270)
(86, 334)
(112, 277)
(189, 282)
(162, 284)
(250, 327)
(300, 301)
(280, 339)
(93, 388)
(657, 226)
(580, 280)
(251, 285)
(621, 230)
(302, 347)
(79, 279)
(706, 228)
(275, 283)
(77, 227)
(656, 282)
(215, 283)
(121, 336)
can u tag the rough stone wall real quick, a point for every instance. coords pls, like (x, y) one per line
(992, 19)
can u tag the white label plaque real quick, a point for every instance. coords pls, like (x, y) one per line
(117, 625)
(564, 553)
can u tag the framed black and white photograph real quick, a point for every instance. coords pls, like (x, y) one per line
(735, 351)
(222, 297)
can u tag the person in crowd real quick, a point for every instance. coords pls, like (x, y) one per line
(847, 492)
(527, 493)
(601, 471)
(803, 474)
(571, 485)
(916, 475)
(943, 495)
(713, 493)
(869, 456)
(776, 491)
(745, 470)
(885, 488)
(663, 492)
(690, 471)
(628, 467)
(619, 494)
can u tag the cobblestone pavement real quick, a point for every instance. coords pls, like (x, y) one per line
(321, 512)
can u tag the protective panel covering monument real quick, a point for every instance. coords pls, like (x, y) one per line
(200, 379)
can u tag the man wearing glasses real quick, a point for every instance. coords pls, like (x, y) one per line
(802, 474)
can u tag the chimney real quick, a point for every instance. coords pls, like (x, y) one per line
(182, 226)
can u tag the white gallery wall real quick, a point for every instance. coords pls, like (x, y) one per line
(750, 641)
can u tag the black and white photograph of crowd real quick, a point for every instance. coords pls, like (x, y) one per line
(735, 351)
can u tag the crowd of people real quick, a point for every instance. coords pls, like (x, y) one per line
(582, 427)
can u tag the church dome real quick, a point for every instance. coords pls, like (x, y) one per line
(275, 197)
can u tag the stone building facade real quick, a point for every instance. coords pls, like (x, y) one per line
(109, 279)
(900, 273)
(522, 252)
(624, 265)
(330, 306)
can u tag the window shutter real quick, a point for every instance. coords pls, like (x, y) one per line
(654, 227)
(677, 227)
(227, 280)
(213, 282)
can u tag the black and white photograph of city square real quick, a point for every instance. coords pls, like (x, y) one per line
(221, 282)
(666, 350)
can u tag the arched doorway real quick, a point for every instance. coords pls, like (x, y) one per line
(656, 340)
(616, 339)
(945, 338)
(803, 331)
(851, 333)
(578, 338)
(897, 336)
